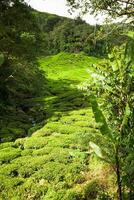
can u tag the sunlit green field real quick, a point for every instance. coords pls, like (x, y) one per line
(53, 163)
(67, 66)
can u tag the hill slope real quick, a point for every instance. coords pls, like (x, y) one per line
(21, 81)
(53, 162)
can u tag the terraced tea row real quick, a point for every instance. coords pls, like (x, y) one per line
(53, 162)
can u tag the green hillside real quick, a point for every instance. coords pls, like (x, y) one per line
(66, 103)
(21, 79)
(54, 162)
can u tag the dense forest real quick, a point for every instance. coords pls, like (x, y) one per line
(66, 103)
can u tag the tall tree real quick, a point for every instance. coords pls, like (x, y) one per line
(13, 14)
(20, 77)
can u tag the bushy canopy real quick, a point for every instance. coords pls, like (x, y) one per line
(114, 8)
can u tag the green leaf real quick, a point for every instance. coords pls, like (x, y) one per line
(96, 149)
(99, 117)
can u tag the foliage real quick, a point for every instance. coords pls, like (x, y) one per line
(114, 84)
(21, 80)
(53, 161)
(112, 7)
(62, 34)
(20, 77)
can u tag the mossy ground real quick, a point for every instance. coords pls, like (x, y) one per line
(53, 163)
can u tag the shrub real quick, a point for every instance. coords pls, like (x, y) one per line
(72, 195)
(10, 183)
(52, 172)
(54, 195)
(91, 190)
(9, 170)
(28, 165)
(6, 145)
(43, 151)
(43, 132)
(35, 143)
(8, 154)
(73, 171)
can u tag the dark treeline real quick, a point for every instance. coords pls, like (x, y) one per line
(20, 77)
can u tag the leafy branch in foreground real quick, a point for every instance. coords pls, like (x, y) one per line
(112, 86)
(113, 8)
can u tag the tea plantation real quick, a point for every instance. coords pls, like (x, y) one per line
(54, 161)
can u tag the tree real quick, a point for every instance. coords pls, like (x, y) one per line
(20, 78)
(13, 30)
(114, 8)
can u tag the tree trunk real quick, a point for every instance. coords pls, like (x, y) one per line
(119, 190)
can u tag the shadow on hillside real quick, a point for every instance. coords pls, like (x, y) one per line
(66, 96)
(30, 114)
(63, 97)
(20, 84)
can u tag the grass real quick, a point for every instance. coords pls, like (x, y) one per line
(53, 162)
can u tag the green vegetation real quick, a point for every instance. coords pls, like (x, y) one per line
(66, 104)
(58, 34)
(115, 83)
(22, 83)
(20, 78)
(111, 7)
(54, 161)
